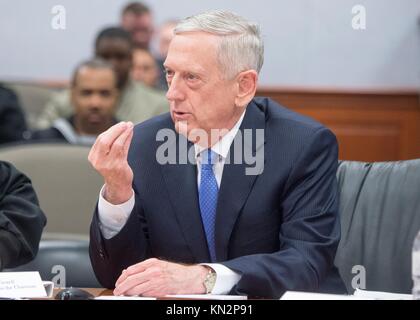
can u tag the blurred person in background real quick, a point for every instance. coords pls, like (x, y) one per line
(145, 68)
(137, 19)
(94, 94)
(165, 35)
(136, 103)
(12, 118)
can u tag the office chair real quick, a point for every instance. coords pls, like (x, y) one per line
(65, 262)
(380, 217)
(66, 184)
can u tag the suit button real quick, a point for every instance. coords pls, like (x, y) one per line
(101, 254)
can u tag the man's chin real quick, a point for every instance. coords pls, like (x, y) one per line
(194, 135)
(182, 128)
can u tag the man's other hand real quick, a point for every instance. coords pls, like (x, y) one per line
(157, 278)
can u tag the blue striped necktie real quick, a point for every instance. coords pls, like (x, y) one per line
(208, 198)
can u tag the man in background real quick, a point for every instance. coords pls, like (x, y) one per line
(165, 35)
(145, 68)
(136, 103)
(94, 95)
(136, 18)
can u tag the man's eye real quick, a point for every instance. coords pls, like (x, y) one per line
(191, 77)
(169, 73)
(86, 93)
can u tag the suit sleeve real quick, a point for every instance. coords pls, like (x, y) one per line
(21, 219)
(310, 229)
(109, 256)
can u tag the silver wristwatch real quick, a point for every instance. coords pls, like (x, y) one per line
(210, 280)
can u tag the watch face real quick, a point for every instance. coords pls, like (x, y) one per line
(210, 281)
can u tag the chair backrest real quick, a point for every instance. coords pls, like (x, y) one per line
(66, 184)
(380, 217)
(65, 262)
(33, 98)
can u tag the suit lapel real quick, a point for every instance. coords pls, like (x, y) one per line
(181, 181)
(236, 185)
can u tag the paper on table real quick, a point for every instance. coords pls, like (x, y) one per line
(206, 297)
(297, 295)
(358, 295)
(123, 298)
(380, 295)
(27, 284)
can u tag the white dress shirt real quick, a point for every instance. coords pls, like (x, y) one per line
(113, 217)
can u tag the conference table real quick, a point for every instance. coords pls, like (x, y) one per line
(102, 292)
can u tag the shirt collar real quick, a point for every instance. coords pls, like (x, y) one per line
(223, 145)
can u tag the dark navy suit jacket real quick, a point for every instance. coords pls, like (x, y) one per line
(279, 229)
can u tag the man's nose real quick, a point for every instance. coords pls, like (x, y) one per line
(175, 90)
(95, 101)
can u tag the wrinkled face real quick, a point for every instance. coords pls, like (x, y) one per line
(144, 68)
(198, 94)
(118, 52)
(94, 96)
(140, 27)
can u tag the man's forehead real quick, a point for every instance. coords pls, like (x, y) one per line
(93, 77)
(193, 49)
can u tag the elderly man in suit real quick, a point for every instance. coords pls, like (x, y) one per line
(204, 223)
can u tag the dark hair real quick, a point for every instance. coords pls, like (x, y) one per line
(95, 63)
(136, 8)
(113, 33)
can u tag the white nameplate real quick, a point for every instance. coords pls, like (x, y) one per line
(21, 285)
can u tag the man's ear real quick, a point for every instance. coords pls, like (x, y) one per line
(247, 86)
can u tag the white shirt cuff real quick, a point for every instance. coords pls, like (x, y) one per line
(113, 217)
(225, 278)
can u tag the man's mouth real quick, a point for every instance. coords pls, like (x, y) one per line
(179, 115)
(95, 117)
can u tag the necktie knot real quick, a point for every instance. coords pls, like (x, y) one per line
(208, 158)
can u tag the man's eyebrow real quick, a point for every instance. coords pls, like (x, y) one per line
(197, 70)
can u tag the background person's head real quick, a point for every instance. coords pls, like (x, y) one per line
(165, 35)
(144, 68)
(136, 18)
(94, 95)
(115, 46)
(212, 70)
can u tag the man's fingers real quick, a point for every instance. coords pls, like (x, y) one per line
(106, 139)
(131, 282)
(127, 143)
(119, 146)
(144, 289)
(136, 279)
(136, 268)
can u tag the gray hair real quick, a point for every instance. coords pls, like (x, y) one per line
(241, 47)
